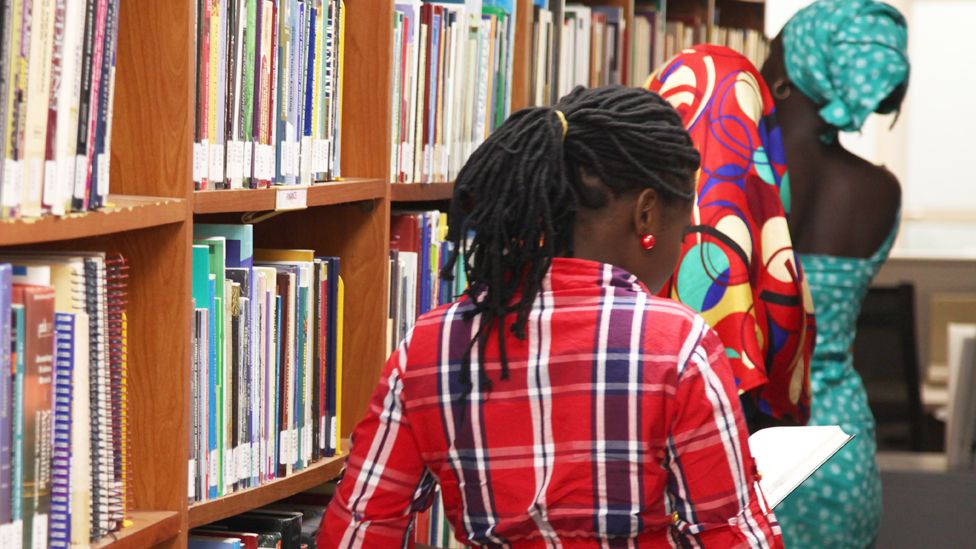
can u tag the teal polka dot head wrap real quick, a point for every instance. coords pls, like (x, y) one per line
(847, 56)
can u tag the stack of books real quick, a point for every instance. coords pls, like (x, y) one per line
(289, 524)
(267, 361)
(418, 253)
(452, 74)
(64, 452)
(57, 82)
(269, 92)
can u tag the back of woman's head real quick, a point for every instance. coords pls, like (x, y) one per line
(850, 57)
(522, 188)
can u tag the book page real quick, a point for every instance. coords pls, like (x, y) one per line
(786, 456)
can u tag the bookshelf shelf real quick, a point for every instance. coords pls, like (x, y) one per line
(245, 500)
(421, 192)
(257, 200)
(126, 213)
(148, 529)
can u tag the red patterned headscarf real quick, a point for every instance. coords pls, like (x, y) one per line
(737, 266)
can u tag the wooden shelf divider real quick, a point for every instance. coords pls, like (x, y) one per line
(318, 473)
(258, 200)
(148, 528)
(421, 192)
(125, 213)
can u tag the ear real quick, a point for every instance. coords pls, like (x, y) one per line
(647, 212)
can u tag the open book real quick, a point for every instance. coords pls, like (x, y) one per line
(786, 456)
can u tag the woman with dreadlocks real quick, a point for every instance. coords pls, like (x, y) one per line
(559, 402)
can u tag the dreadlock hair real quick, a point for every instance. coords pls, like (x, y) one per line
(521, 189)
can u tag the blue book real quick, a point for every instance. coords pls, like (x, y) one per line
(215, 468)
(279, 303)
(311, 16)
(331, 357)
(281, 83)
(299, 389)
(6, 411)
(18, 340)
(59, 526)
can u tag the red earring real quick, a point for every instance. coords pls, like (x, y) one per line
(648, 241)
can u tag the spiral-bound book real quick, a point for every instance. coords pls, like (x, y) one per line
(64, 363)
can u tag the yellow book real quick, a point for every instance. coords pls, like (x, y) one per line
(268, 254)
(341, 314)
(342, 63)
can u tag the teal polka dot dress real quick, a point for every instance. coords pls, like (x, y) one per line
(840, 505)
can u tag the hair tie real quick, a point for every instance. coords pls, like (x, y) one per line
(562, 120)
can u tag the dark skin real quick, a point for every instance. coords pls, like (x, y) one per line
(613, 234)
(842, 205)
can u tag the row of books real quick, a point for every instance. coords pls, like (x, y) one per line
(418, 253)
(292, 523)
(592, 47)
(64, 452)
(57, 82)
(452, 74)
(647, 52)
(267, 361)
(432, 528)
(268, 92)
(749, 42)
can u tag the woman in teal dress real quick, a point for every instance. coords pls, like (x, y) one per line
(835, 63)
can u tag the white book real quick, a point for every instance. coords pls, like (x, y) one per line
(961, 419)
(787, 456)
(69, 96)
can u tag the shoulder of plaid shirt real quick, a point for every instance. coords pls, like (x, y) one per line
(627, 426)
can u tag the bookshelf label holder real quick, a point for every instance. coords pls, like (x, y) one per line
(291, 198)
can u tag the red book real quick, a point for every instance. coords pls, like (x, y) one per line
(405, 233)
(38, 302)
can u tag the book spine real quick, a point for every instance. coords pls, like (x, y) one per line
(84, 106)
(51, 190)
(18, 338)
(308, 99)
(249, 76)
(218, 147)
(6, 394)
(100, 418)
(214, 486)
(266, 109)
(60, 521)
(68, 105)
(9, 65)
(116, 286)
(37, 104)
(202, 146)
(94, 102)
(99, 158)
(38, 304)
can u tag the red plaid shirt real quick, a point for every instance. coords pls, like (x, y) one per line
(619, 425)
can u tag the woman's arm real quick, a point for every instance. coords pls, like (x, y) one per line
(386, 481)
(712, 489)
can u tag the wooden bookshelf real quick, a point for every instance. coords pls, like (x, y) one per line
(421, 192)
(151, 223)
(256, 200)
(148, 528)
(124, 213)
(318, 473)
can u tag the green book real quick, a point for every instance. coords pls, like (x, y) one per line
(216, 251)
(248, 76)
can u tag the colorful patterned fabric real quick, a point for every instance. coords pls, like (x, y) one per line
(737, 266)
(848, 56)
(840, 505)
(619, 422)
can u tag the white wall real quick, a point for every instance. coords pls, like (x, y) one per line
(935, 135)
